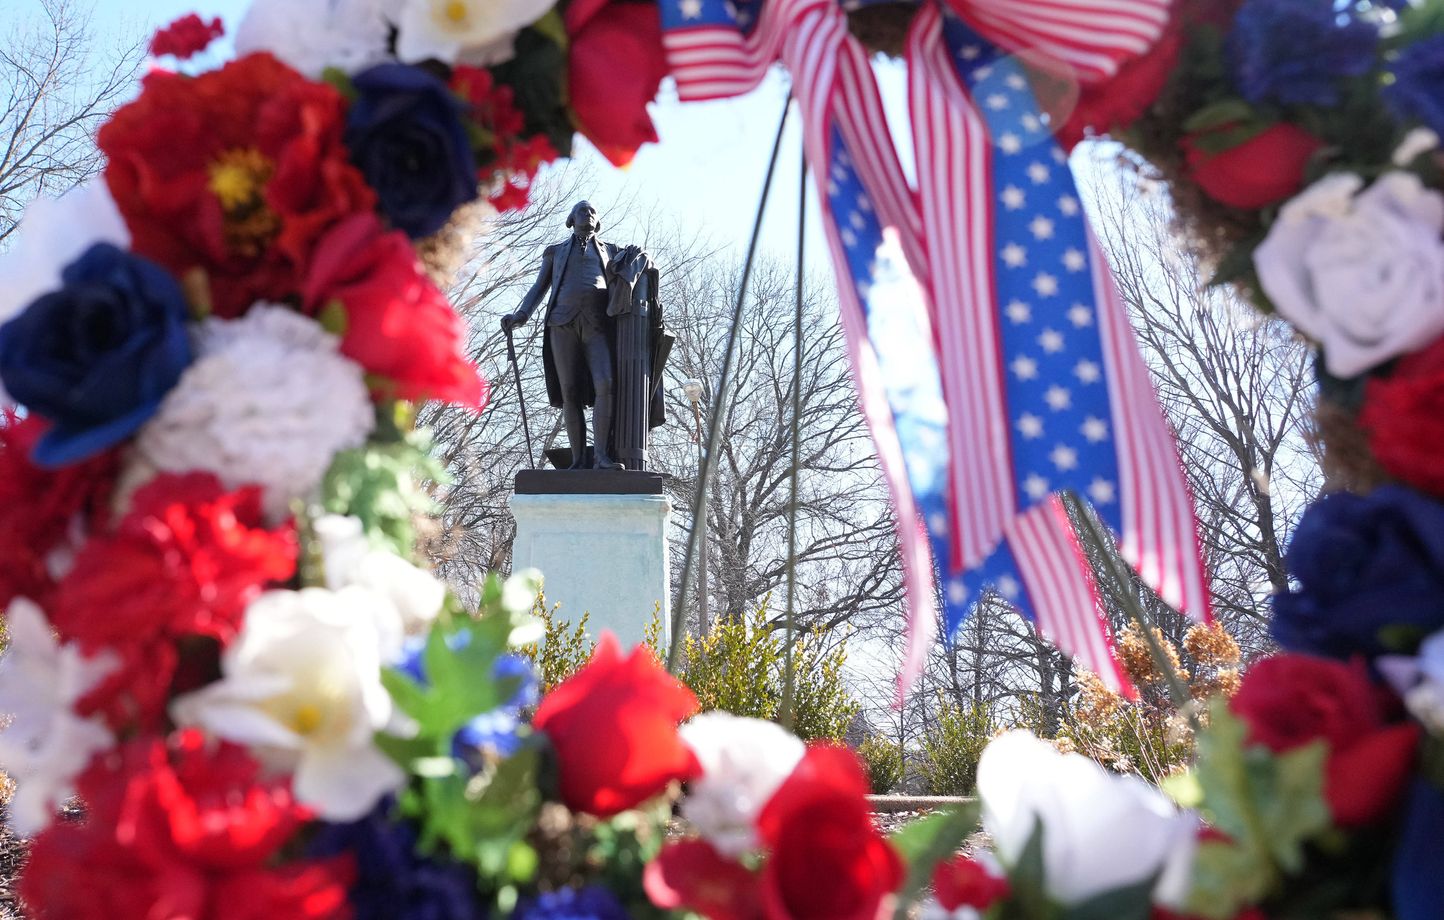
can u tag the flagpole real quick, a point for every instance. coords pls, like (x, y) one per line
(789, 682)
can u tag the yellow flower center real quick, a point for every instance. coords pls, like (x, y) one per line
(238, 179)
(455, 11)
(306, 719)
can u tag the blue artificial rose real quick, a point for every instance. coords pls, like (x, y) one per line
(590, 903)
(405, 134)
(1417, 93)
(1296, 52)
(394, 880)
(96, 357)
(1370, 571)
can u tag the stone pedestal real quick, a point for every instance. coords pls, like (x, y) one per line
(600, 541)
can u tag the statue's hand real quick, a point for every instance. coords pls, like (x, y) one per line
(508, 321)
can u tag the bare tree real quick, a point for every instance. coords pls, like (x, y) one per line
(57, 83)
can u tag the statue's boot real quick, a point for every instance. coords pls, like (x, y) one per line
(602, 422)
(576, 435)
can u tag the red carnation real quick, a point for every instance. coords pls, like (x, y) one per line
(613, 725)
(230, 177)
(614, 68)
(691, 875)
(41, 508)
(964, 882)
(185, 831)
(825, 858)
(179, 569)
(1263, 170)
(1402, 418)
(187, 36)
(398, 325)
(1289, 700)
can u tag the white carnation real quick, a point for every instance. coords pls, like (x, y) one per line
(301, 686)
(350, 559)
(46, 745)
(311, 35)
(1360, 272)
(743, 762)
(269, 400)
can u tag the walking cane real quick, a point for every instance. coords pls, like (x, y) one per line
(520, 396)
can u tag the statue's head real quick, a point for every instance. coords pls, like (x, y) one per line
(583, 218)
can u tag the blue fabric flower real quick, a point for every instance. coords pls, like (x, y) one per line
(491, 733)
(1364, 564)
(1418, 89)
(405, 134)
(394, 881)
(1419, 859)
(590, 903)
(96, 357)
(1296, 52)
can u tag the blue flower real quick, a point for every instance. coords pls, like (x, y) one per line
(1370, 571)
(1418, 89)
(590, 903)
(394, 880)
(1296, 52)
(491, 733)
(405, 134)
(1418, 881)
(96, 357)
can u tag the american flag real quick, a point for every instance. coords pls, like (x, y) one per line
(991, 350)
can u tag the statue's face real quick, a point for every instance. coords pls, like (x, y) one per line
(584, 218)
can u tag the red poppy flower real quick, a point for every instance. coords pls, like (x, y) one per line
(231, 176)
(613, 726)
(614, 67)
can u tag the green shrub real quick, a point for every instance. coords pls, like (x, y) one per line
(952, 746)
(884, 761)
(563, 650)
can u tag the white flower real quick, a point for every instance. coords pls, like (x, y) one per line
(1420, 681)
(350, 559)
(743, 762)
(269, 400)
(1361, 273)
(1101, 831)
(46, 745)
(301, 685)
(53, 233)
(478, 31)
(1418, 141)
(311, 35)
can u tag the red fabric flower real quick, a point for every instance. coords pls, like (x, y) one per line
(399, 326)
(513, 161)
(1263, 170)
(1402, 418)
(614, 68)
(517, 168)
(187, 36)
(183, 564)
(1290, 700)
(40, 507)
(186, 832)
(825, 858)
(1118, 102)
(613, 725)
(691, 875)
(964, 882)
(231, 176)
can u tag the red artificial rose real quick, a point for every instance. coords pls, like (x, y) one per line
(188, 830)
(1290, 700)
(178, 570)
(825, 859)
(691, 875)
(614, 68)
(42, 509)
(230, 177)
(398, 325)
(1402, 418)
(1263, 170)
(613, 726)
(187, 36)
(965, 882)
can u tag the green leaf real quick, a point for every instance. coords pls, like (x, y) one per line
(1028, 880)
(333, 317)
(928, 841)
(537, 73)
(340, 81)
(1220, 114)
(1133, 902)
(380, 484)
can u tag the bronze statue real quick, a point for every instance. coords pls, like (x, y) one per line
(605, 344)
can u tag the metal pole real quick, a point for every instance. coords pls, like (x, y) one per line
(704, 623)
(520, 398)
(789, 685)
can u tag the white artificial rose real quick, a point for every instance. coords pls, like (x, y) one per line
(348, 558)
(46, 745)
(301, 686)
(1360, 272)
(312, 35)
(1419, 680)
(477, 32)
(269, 400)
(743, 762)
(1101, 831)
